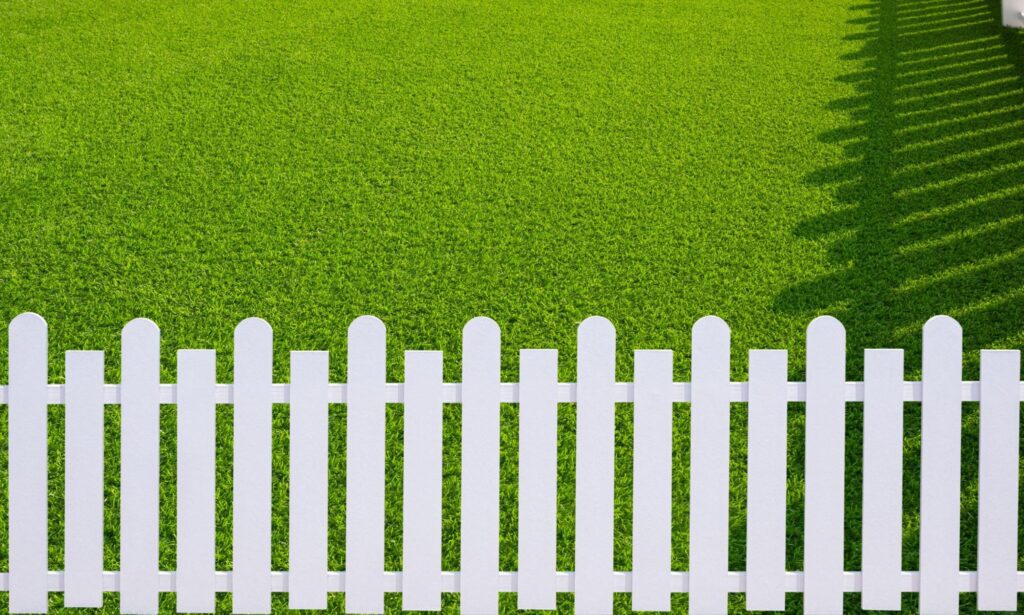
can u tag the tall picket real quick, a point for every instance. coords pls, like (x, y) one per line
(882, 518)
(197, 445)
(83, 484)
(709, 468)
(825, 467)
(307, 481)
(250, 581)
(27, 464)
(538, 478)
(364, 473)
(140, 466)
(481, 404)
(998, 480)
(421, 484)
(766, 481)
(652, 481)
(595, 466)
(940, 465)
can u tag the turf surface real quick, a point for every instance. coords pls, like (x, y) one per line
(428, 162)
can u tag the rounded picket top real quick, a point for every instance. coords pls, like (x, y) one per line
(827, 328)
(139, 329)
(252, 327)
(481, 327)
(367, 327)
(27, 324)
(711, 328)
(596, 327)
(943, 325)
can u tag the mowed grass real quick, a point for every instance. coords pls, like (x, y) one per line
(535, 162)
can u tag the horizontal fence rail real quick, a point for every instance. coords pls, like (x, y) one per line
(651, 583)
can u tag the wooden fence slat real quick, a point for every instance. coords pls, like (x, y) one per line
(766, 482)
(197, 446)
(140, 466)
(998, 480)
(538, 478)
(652, 481)
(421, 484)
(942, 373)
(83, 485)
(595, 466)
(882, 516)
(27, 468)
(307, 481)
(250, 583)
(364, 463)
(825, 467)
(481, 441)
(709, 468)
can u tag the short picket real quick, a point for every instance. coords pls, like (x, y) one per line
(421, 484)
(83, 488)
(140, 397)
(538, 478)
(882, 521)
(195, 585)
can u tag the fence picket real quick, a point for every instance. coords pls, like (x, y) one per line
(825, 467)
(140, 466)
(364, 473)
(942, 360)
(652, 481)
(197, 445)
(538, 478)
(766, 482)
(481, 403)
(307, 481)
(250, 581)
(421, 484)
(709, 468)
(882, 518)
(998, 480)
(595, 466)
(27, 464)
(83, 485)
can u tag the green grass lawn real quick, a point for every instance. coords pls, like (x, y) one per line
(536, 162)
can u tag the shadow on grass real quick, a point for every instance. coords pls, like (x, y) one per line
(932, 182)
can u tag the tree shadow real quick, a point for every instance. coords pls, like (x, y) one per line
(932, 184)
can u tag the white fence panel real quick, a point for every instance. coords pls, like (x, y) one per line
(652, 481)
(252, 419)
(998, 481)
(27, 465)
(653, 394)
(83, 485)
(942, 361)
(538, 478)
(197, 445)
(709, 468)
(595, 466)
(824, 467)
(421, 484)
(307, 481)
(882, 527)
(364, 474)
(140, 466)
(766, 481)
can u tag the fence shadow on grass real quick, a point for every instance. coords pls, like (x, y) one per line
(932, 183)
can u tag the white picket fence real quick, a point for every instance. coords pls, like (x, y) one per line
(595, 393)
